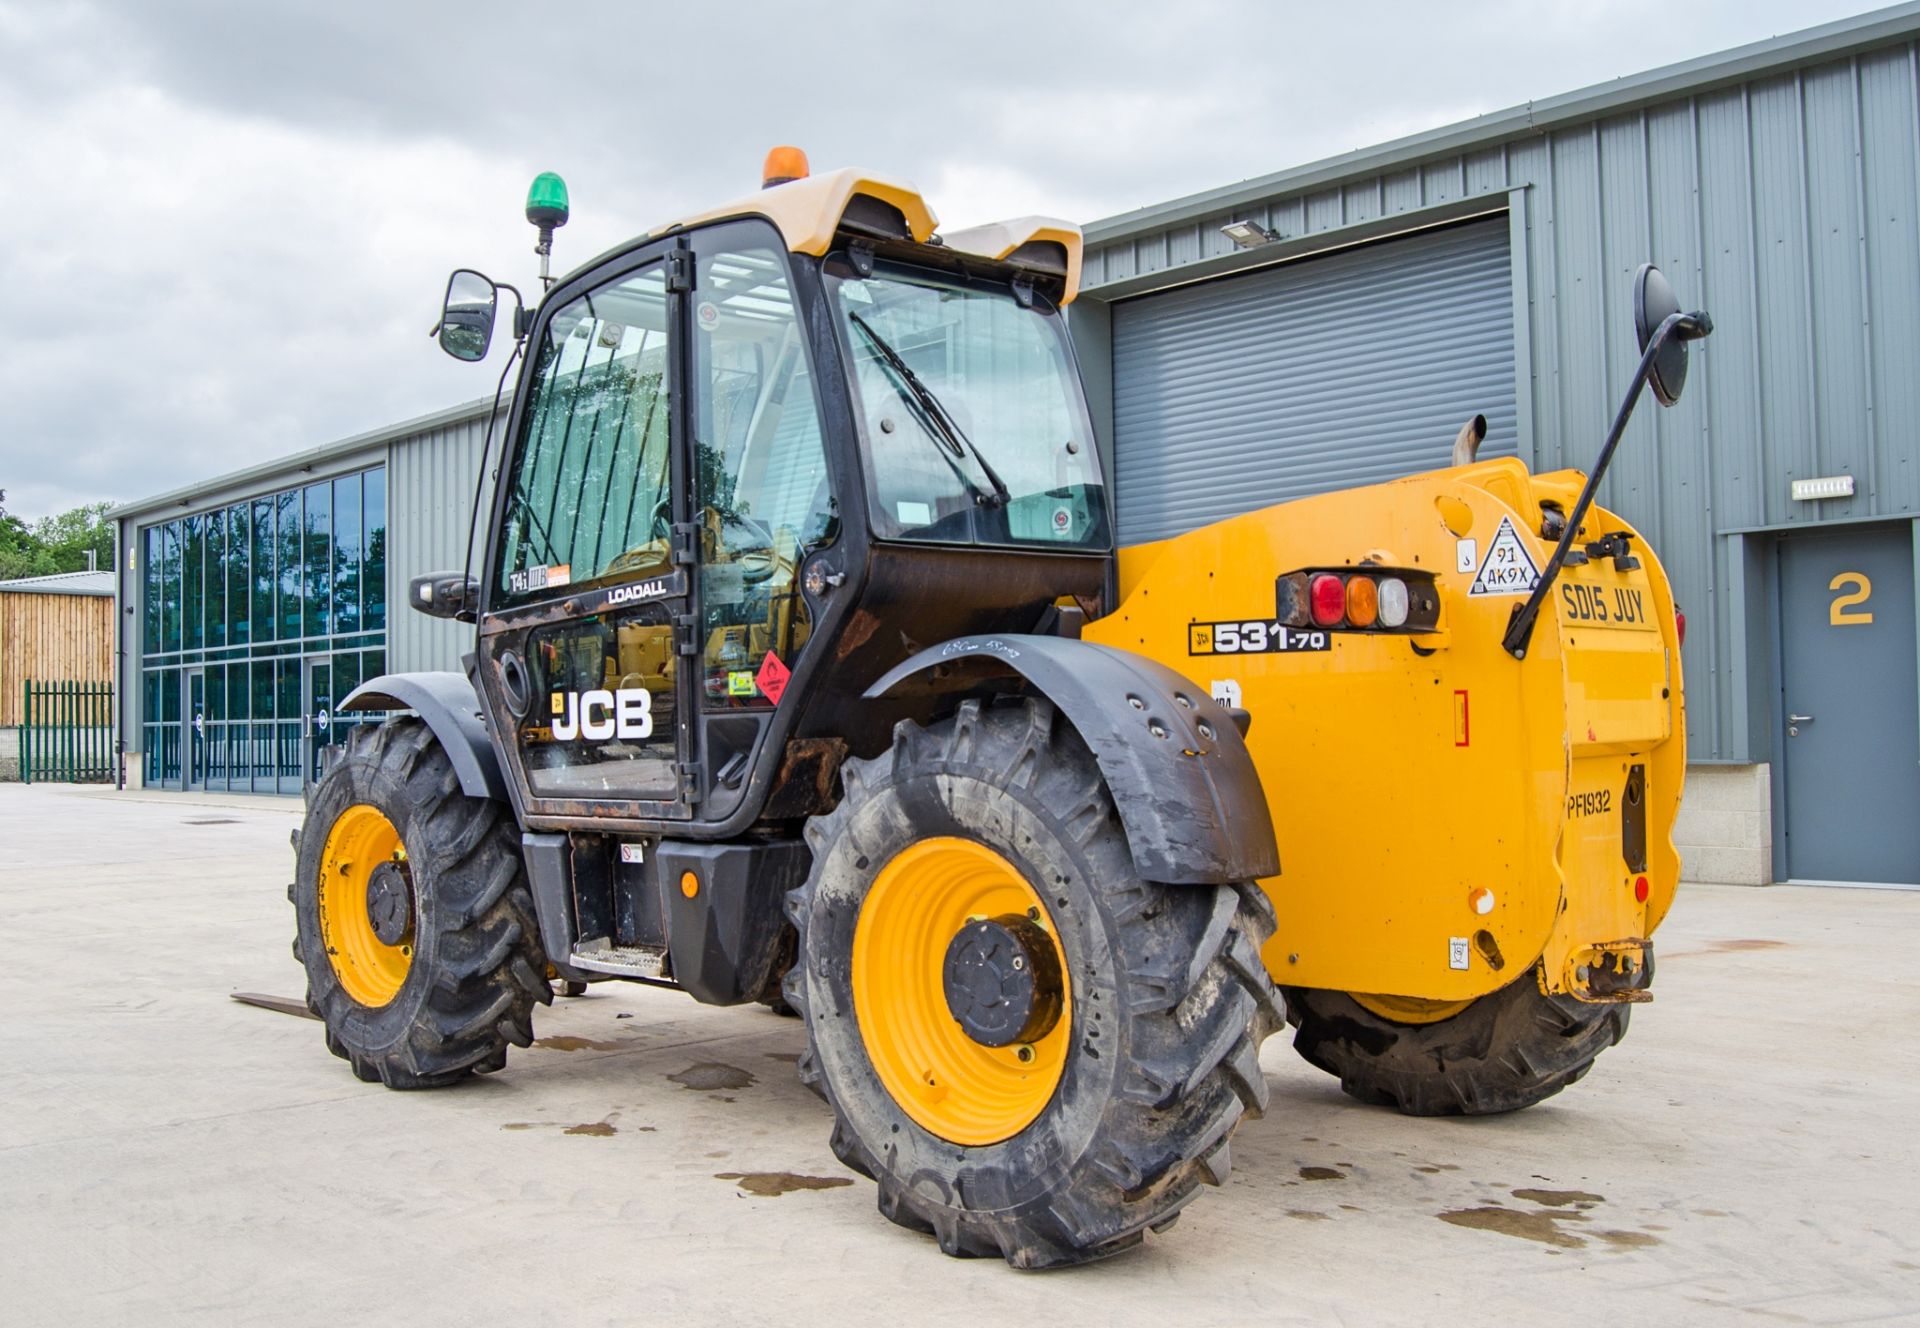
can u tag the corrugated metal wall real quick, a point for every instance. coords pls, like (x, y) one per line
(1310, 376)
(1785, 204)
(430, 480)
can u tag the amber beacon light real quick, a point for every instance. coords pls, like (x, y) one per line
(784, 165)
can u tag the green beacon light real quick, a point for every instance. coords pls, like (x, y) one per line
(546, 209)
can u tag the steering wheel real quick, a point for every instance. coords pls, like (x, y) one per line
(757, 560)
(662, 526)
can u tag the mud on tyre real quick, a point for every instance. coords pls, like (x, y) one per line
(1509, 1049)
(414, 920)
(1152, 1061)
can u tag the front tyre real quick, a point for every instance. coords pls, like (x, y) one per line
(1033, 1051)
(1506, 1050)
(414, 921)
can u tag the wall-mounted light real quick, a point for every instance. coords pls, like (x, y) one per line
(1248, 234)
(1826, 486)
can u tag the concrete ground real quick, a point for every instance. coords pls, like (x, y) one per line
(170, 1156)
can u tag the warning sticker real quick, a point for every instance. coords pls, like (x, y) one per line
(1508, 569)
(772, 677)
(740, 683)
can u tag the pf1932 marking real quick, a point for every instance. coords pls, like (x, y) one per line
(1625, 606)
(1254, 636)
(1597, 803)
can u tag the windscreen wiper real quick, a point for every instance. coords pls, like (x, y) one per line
(946, 428)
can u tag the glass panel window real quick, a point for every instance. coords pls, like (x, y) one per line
(155, 589)
(589, 492)
(216, 579)
(288, 554)
(969, 411)
(170, 587)
(373, 576)
(239, 587)
(261, 574)
(193, 547)
(346, 554)
(318, 552)
(762, 498)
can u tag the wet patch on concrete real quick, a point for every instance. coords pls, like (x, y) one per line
(1321, 1173)
(770, 1184)
(1539, 1225)
(597, 1129)
(1629, 1240)
(521, 1125)
(1308, 1215)
(1731, 945)
(1435, 1168)
(567, 1042)
(712, 1077)
(1560, 1198)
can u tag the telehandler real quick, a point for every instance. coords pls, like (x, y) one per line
(807, 672)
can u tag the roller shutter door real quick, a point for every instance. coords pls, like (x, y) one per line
(1320, 374)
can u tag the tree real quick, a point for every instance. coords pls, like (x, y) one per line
(55, 543)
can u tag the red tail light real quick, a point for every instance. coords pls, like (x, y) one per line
(1328, 596)
(1680, 626)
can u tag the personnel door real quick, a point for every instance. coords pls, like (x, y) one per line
(588, 600)
(1850, 718)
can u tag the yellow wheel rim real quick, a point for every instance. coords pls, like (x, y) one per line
(370, 971)
(1409, 1009)
(950, 1085)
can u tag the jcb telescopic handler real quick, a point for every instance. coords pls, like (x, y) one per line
(806, 671)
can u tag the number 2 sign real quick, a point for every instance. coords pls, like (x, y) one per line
(1842, 612)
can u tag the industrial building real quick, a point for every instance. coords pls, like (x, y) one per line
(1329, 325)
(56, 632)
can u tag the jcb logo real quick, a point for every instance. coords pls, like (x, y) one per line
(599, 715)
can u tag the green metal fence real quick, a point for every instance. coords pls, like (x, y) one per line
(67, 734)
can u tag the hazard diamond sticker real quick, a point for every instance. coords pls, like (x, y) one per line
(1508, 569)
(772, 677)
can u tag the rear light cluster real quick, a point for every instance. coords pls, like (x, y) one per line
(1364, 600)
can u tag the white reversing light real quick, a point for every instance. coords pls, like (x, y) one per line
(1393, 602)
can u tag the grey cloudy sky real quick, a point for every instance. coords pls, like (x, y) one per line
(224, 227)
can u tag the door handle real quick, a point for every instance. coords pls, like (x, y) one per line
(1794, 722)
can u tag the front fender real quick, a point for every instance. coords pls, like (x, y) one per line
(446, 701)
(1190, 801)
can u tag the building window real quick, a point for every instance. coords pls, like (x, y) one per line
(259, 618)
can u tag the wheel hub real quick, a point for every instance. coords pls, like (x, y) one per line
(1002, 981)
(389, 903)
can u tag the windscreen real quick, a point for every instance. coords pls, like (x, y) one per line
(970, 411)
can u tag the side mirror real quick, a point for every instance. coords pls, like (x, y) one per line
(466, 320)
(1653, 303)
(445, 595)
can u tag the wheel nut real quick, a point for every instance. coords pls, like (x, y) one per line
(1025, 1054)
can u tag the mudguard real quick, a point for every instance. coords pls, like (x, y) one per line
(1189, 797)
(446, 701)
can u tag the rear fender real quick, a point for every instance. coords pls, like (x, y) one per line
(446, 701)
(1182, 780)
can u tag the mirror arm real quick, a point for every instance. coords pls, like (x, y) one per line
(1686, 327)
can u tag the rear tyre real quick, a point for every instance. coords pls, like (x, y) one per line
(1509, 1049)
(1068, 1139)
(414, 920)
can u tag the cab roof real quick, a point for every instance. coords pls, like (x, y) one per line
(810, 212)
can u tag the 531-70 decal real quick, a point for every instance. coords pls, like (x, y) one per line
(1254, 636)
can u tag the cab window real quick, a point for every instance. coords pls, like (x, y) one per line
(762, 500)
(589, 495)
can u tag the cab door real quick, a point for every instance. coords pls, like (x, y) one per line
(587, 614)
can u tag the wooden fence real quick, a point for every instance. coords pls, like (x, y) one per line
(51, 636)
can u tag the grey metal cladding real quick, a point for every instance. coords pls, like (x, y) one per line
(430, 498)
(1347, 369)
(1779, 190)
